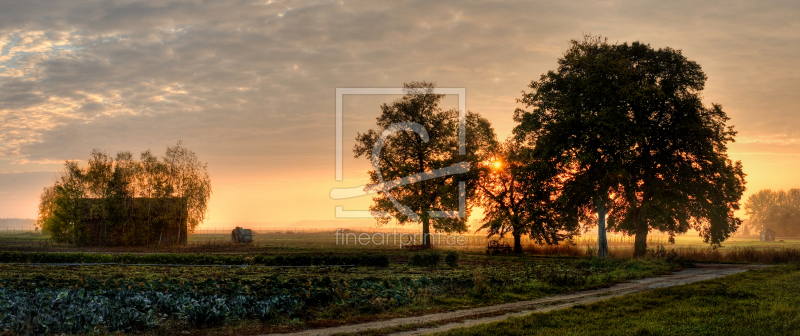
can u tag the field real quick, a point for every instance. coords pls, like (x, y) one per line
(321, 238)
(284, 280)
(763, 302)
(252, 299)
(249, 300)
(285, 241)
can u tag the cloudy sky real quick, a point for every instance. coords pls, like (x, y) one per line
(250, 85)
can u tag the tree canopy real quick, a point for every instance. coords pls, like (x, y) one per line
(518, 197)
(775, 210)
(626, 127)
(416, 137)
(112, 182)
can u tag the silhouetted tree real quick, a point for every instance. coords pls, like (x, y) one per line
(629, 132)
(518, 196)
(60, 212)
(421, 137)
(187, 177)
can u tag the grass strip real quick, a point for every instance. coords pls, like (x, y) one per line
(763, 302)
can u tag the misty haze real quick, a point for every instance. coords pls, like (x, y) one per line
(399, 168)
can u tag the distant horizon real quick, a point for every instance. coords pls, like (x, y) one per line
(364, 225)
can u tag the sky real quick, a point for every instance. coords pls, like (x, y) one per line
(250, 85)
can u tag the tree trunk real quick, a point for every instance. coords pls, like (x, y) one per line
(640, 242)
(517, 243)
(426, 229)
(602, 243)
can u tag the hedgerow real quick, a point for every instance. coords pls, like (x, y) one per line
(428, 259)
(379, 260)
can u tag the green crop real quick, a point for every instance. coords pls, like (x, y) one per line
(46, 306)
(379, 260)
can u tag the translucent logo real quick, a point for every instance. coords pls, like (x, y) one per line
(386, 186)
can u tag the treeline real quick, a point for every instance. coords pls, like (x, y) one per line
(377, 260)
(775, 210)
(94, 205)
(617, 135)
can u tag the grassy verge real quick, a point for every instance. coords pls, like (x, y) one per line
(763, 302)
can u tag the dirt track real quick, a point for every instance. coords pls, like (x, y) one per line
(469, 317)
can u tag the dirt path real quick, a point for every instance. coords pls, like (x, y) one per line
(473, 316)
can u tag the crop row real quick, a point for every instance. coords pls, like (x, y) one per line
(380, 260)
(75, 311)
(46, 306)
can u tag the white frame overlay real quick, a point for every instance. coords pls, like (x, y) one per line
(338, 193)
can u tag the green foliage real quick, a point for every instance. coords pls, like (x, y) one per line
(451, 258)
(775, 210)
(137, 298)
(626, 127)
(749, 303)
(516, 192)
(123, 202)
(593, 271)
(433, 145)
(377, 260)
(90, 305)
(426, 259)
(558, 274)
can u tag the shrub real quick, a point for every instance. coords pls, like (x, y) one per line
(479, 288)
(429, 259)
(451, 258)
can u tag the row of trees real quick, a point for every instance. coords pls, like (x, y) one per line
(776, 210)
(616, 136)
(107, 186)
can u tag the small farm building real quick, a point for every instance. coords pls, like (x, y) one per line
(767, 235)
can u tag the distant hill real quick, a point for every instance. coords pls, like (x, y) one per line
(18, 223)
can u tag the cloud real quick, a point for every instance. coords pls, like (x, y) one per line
(769, 139)
(251, 83)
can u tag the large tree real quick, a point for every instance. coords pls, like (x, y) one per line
(518, 196)
(628, 128)
(416, 138)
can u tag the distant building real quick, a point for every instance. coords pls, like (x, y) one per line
(767, 235)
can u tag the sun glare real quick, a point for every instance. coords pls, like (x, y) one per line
(497, 164)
